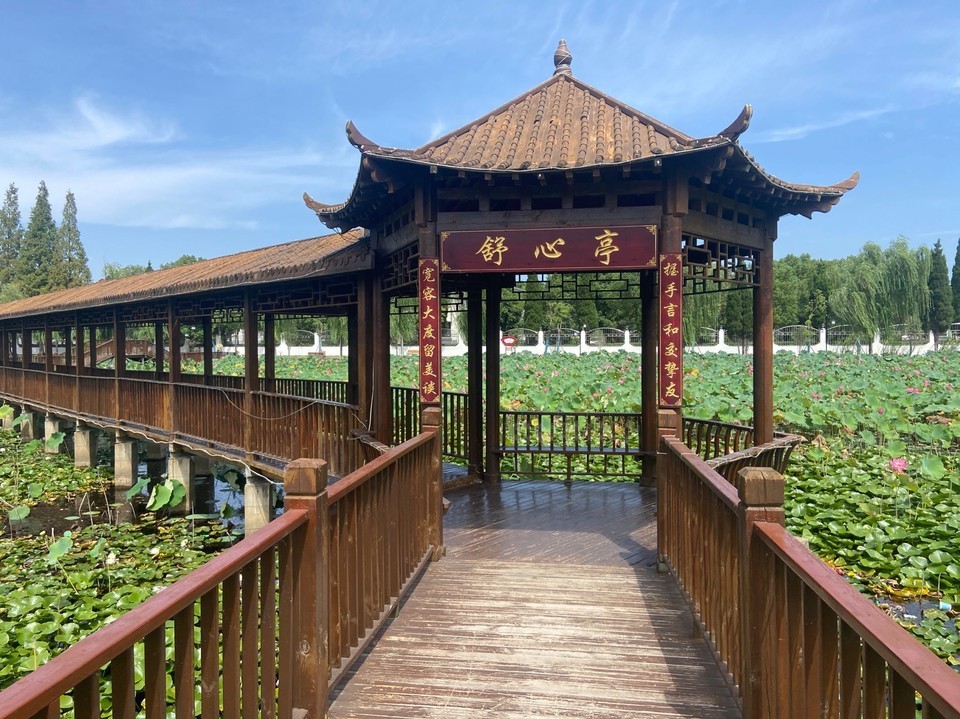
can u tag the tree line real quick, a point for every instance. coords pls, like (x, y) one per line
(42, 257)
(894, 290)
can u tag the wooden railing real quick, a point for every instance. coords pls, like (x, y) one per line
(385, 524)
(405, 403)
(267, 627)
(710, 438)
(329, 390)
(606, 443)
(272, 428)
(241, 658)
(796, 639)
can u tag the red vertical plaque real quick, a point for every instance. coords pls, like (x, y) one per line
(671, 330)
(429, 320)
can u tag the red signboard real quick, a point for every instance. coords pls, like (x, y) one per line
(543, 251)
(671, 330)
(429, 316)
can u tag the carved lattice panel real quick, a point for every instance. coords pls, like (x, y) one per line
(712, 265)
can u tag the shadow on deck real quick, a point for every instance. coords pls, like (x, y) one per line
(547, 604)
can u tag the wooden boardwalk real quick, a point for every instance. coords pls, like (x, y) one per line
(546, 605)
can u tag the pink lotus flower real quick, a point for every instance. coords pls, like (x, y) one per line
(912, 390)
(814, 395)
(880, 410)
(899, 465)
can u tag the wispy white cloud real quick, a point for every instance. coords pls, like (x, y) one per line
(133, 171)
(798, 132)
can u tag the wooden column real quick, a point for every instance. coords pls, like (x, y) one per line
(251, 366)
(763, 349)
(269, 351)
(650, 331)
(158, 349)
(93, 347)
(360, 353)
(67, 347)
(492, 473)
(47, 345)
(4, 347)
(26, 346)
(173, 333)
(671, 244)
(207, 325)
(475, 382)
(119, 346)
(81, 346)
(382, 414)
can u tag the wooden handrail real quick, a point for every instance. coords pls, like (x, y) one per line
(33, 693)
(923, 670)
(359, 477)
(796, 638)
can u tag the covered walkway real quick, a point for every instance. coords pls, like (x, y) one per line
(547, 604)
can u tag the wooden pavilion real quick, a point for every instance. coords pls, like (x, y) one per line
(563, 179)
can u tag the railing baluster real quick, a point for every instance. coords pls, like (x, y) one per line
(154, 674)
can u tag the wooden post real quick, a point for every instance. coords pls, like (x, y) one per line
(761, 500)
(67, 347)
(650, 332)
(48, 358)
(119, 346)
(26, 342)
(763, 349)
(251, 366)
(269, 352)
(81, 348)
(475, 382)
(382, 415)
(430, 422)
(173, 333)
(492, 473)
(305, 487)
(158, 349)
(93, 348)
(360, 347)
(207, 323)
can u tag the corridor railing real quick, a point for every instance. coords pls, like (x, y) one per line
(796, 639)
(267, 627)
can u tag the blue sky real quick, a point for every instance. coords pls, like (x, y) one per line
(195, 127)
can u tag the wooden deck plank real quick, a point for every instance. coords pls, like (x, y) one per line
(545, 606)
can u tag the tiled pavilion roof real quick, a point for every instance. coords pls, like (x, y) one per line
(565, 124)
(329, 254)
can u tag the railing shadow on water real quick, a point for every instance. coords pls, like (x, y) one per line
(268, 626)
(795, 638)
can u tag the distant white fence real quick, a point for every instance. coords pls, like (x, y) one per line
(608, 339)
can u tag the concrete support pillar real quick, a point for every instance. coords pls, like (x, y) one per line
(28, 427)
(204, 501)
(257, 504)
(51, 425)
(180, 469)
(8, 420)
(84, 446)
(156, 459)
(126, 462)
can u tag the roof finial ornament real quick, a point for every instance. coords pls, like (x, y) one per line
(562, 59)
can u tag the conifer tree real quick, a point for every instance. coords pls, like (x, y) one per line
(941, 297)
(11, 235)
(38, 251)
(75, 270)
(955, 285)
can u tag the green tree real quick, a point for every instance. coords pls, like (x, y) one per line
(181, 261)
(955, 284)
(36, 266)
(115, 271)
(941, 296)
(11, 235)
(75, 269)
(738, 316)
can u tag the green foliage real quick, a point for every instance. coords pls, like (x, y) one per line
(955, 284)
(11, 236)
(38, 251)
(941, 296)
(99, 573)
(73, 257)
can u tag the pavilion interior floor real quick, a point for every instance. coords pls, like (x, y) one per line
(546, 605)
